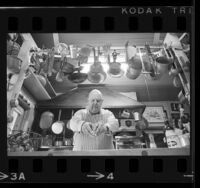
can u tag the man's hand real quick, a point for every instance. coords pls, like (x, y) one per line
(101, 129)
(87, 129)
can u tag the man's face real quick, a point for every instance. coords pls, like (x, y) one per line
(95, 102)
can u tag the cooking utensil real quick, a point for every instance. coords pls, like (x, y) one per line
(57, 127)
(96, 73)
(46, 120)
(134, 68)
(114, 67)
(130, 51)
(163, 64)
(85, 51)
(77, 77)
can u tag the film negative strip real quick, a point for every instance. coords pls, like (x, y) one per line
(46, 136)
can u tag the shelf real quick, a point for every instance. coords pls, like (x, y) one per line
(36, 89)
(113, 152)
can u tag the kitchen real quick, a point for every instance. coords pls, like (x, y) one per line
(140, 75)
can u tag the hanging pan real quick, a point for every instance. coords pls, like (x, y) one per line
(163, 64)
(96, 74)
(115, 67)
(77, 76)
(134, 69)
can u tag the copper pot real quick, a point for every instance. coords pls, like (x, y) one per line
(96, 77)
(115, 70)
(77, 77)
(135, 68)
(163, 64)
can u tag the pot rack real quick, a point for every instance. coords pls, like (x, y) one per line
(170, 51)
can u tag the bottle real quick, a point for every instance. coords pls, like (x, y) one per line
(152, 141)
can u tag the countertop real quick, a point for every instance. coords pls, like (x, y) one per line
(114, 152)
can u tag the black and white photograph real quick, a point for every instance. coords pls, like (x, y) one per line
(98, 94)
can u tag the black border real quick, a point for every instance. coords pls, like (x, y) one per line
(74, 173)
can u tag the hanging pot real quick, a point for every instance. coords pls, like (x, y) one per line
(96, 73)
(46, 120)
(135, 68)
(14, 63)
(57, 127)
(77, 77)
(163, 64)
(131, 52)
(177, 82)
(68, 68)
(96, 77)
(85, 51)
(149, 68)
(115, 70)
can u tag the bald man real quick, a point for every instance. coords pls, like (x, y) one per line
(93, 126)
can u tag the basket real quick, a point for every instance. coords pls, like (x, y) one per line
(23, 141)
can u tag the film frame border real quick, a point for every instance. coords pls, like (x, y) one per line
(13, 22)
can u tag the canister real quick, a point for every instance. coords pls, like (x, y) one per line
(173, 140)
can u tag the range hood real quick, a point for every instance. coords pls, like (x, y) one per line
(77, 98)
